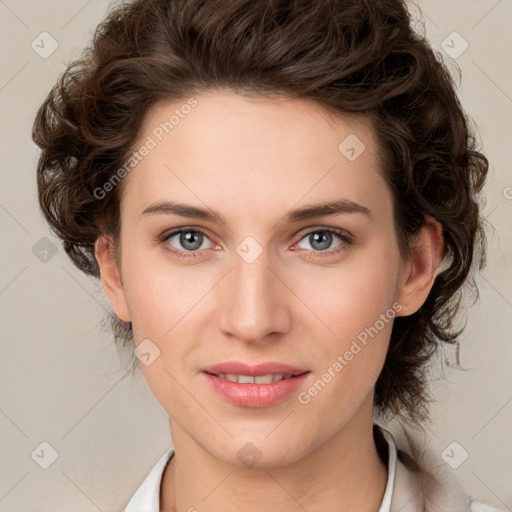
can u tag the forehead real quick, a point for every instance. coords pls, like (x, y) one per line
(224, 146)
(278, 118)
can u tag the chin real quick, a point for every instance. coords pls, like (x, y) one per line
(259, 451)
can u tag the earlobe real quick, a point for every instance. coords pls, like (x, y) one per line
(111, 277)
(426, 256)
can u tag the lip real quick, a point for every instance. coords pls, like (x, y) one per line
(255, 395)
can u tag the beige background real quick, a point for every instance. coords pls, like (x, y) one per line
(62, 381)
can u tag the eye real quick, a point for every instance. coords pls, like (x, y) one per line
(186, 242)
(322, 239)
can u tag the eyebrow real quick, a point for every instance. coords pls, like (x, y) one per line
(294, 216)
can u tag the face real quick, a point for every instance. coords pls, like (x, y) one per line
(255, 281)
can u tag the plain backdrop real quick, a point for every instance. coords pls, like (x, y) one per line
(66, 393)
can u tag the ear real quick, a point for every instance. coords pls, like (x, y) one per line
(111, 277)
(427, 252)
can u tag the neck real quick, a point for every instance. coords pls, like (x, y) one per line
(345, 473)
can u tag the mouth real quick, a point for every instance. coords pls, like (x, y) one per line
(255, 386)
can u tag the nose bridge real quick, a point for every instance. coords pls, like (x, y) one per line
(254, 305)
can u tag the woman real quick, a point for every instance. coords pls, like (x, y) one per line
(281, 201)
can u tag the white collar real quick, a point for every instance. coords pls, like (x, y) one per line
(404, 491)
(147, 496)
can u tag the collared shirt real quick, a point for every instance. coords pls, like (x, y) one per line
(406, 490)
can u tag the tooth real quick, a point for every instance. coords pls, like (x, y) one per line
(249, 379)
(263, 379)
(245, 379)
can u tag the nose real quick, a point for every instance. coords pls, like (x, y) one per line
(255, 301)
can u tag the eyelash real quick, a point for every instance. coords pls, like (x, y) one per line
(346, 241)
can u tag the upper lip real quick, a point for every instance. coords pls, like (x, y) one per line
(239, 368)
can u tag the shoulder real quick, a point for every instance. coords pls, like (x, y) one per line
(422, 472)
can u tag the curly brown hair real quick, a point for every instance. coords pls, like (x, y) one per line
(346, 55)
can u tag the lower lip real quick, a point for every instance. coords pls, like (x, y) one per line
(255, 395)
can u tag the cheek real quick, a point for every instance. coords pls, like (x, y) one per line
(349, 362)
(161, 295)
(351, 297)
(354, 315)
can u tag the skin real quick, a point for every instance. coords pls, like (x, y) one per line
(252, 161)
